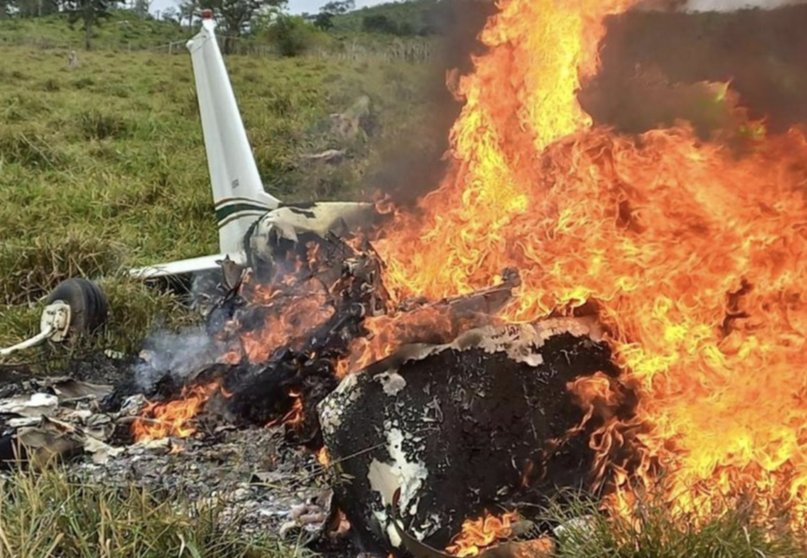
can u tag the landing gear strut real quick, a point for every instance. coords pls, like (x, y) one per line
(74, 308)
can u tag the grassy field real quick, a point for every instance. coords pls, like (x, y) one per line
(102, 167)
(45, 514)
(124, 30)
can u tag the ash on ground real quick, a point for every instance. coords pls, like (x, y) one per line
(263, 485)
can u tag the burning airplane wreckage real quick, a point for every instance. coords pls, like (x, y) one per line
(573, 307)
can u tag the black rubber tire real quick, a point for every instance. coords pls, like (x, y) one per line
(88, 305)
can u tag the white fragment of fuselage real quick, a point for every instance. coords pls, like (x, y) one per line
(384, 480)
(391, 381)
(331, 408)
(402, 473)
(411, 473)
(393, 536)
(392, 533)
(428, 527)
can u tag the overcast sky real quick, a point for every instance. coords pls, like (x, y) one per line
(311, 6)
(295, 6)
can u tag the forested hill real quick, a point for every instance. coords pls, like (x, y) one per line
(415, 17)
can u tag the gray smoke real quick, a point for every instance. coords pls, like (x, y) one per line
(174, 354)
(732, 5)
(692, 6)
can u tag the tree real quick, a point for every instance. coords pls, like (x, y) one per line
(5, 8)
(324, 19)
(292, 35)
(90, 13)
(187, 10)
(379, 23)
(31, 8)
(237, 16)
(171, 14)
(141, 8)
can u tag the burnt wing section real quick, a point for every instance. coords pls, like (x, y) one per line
(459, 429)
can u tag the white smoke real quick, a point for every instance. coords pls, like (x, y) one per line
(176, 354)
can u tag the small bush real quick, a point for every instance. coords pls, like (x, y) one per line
(50, 85)
(119, 90)
(279, 102)
(83, 83)
(293, 36)
(379, 23)
(24, 107)
(97, 125)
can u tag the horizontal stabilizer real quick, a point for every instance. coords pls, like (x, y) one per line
(182, 267)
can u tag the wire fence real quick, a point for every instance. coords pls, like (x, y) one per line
(413, 51)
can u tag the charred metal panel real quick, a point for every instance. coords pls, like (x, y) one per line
(461, 428)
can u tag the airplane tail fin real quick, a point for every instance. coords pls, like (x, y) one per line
(238, 192)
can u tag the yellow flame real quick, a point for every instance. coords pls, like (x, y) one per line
(696, 256)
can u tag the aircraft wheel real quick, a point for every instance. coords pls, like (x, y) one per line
(87, 302)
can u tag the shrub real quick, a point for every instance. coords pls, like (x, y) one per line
(50, 85)
(379, 23)
(97, 125)
(293, 36)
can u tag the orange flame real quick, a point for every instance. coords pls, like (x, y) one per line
(294, 417)
(696, 255)
(287, 318)
(323, 457)
(173, 418)
(477, 534)
(388, 332)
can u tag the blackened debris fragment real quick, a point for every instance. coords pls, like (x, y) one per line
(462, 428)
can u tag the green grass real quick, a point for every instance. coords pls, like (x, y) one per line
(123, 30)
(45, 514)
(655, 532)
(103, 168)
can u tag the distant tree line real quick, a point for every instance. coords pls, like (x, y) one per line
(255, 19)
(379, 23)
(235, 16)
(412, 18)
(39, 8)
(88, 13)
(324, 19)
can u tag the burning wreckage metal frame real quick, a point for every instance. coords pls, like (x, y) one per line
(454, 417)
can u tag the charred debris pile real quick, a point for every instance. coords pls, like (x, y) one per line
(429, 412)
(422, 414)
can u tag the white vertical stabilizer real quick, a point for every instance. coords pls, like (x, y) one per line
(238, 192)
